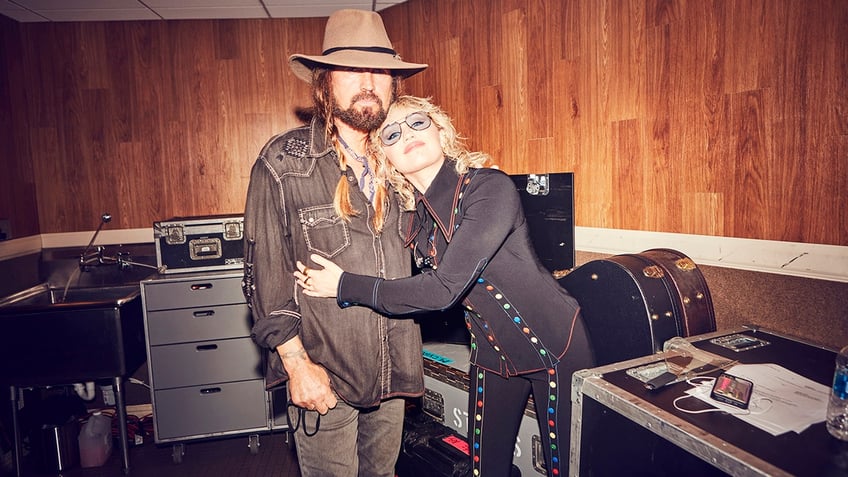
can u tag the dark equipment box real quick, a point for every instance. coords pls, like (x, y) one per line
(548, 203)
(431, 449)
(203, 243)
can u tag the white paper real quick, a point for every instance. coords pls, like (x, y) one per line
(781, 401)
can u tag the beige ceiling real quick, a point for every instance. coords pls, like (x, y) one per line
(106, 10)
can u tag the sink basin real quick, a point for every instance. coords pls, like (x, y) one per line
(45, 297)
(95, 333)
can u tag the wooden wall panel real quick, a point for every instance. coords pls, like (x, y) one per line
(714, 117)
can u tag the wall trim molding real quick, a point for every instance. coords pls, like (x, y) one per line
(824, 262)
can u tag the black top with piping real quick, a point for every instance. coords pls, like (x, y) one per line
(470, 236)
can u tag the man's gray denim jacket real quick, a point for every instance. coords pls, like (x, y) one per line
(289, 215)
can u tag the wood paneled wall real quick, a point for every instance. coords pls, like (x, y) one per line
(705, 117)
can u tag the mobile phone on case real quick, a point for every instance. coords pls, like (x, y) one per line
(732, 390)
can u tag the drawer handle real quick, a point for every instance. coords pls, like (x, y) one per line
(210, 390)
(203, 313)
(201, 286)
(208, 347)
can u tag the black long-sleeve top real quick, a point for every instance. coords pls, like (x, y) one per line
(470, 235)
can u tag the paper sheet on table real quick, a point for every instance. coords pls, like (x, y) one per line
(782, 400)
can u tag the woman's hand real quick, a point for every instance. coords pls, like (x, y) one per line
(319, 283)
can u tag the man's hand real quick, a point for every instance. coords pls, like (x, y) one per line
(309, 383)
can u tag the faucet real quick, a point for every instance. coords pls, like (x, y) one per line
(122, 259)
(84, 259)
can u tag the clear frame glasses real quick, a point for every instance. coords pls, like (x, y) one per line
(417, 121)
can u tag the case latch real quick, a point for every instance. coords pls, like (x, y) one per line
(538, 184)
(234, 230)
(174, 234)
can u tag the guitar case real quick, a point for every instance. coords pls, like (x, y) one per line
(633, 303)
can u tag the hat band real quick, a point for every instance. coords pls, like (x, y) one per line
(371, 49)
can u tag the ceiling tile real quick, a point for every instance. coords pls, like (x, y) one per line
(79, 4)
(211, 12)
(104, 10)
(187, 4)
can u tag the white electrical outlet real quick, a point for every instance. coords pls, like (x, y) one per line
(108, 395)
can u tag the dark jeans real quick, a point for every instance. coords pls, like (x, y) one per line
(349, 441)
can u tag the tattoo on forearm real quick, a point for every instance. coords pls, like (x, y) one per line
(294, 354)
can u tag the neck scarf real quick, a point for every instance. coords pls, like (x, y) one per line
(367, 177)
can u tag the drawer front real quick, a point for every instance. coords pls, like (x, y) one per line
(168, 295)
(202, 411)
(198, 324)
(202, 362)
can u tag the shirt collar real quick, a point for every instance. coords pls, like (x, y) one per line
(440, 200)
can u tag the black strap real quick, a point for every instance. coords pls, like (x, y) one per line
(371, 49)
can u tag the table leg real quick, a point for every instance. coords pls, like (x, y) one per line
(121, 407)
(16, 431)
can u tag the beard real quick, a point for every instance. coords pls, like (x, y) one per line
(365, 120)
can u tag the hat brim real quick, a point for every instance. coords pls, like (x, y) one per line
(302, 65)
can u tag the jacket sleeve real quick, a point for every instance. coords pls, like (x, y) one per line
(269, 286)
(489, 214)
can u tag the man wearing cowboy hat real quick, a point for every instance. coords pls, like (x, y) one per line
(311, 190)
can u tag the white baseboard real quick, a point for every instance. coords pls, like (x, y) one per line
(825, 262)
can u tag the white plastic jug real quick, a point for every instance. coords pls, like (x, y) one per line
(95, 440)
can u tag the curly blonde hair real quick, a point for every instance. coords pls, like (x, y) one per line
(452, 144)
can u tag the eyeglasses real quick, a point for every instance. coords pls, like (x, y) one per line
(417, 121)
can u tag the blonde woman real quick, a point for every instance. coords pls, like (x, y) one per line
(469, 236)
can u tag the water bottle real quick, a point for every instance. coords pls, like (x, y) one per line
(837, 407)
(95, 440)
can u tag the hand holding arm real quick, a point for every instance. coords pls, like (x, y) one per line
(319, 282)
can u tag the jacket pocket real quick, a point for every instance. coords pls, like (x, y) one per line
(325, 232)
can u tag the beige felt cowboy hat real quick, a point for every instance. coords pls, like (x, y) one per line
(354, 39)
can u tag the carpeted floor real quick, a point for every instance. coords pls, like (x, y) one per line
(207, 458)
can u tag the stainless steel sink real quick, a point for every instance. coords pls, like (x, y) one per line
(46, 297)
(92, 333)
(51, 336)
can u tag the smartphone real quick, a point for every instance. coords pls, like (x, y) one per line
(732, 390)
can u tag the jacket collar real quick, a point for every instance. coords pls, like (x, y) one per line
(320, 146)
(441, 199)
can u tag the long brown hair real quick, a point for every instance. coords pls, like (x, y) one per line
(324, 102)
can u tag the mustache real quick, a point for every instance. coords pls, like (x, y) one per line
(366, 95)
